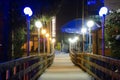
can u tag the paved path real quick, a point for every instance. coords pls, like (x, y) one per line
(64, 69)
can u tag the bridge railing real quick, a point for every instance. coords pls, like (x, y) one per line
(27, 68)
(100, 67)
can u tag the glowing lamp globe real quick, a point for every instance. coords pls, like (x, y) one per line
(38, 24)
(28, 11)
(90, 23)
(83, 30)
(103, 11)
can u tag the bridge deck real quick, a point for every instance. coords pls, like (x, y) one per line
(63, 69)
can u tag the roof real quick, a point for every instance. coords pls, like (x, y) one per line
(74, 26)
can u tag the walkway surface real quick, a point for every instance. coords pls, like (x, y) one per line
(63, 69)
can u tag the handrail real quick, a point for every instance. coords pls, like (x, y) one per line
(27, 68)
(100, 67)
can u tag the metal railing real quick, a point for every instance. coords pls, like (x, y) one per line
(100, 67)
(27, 68)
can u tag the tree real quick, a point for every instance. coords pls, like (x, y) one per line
(17, 23)
(113, 32)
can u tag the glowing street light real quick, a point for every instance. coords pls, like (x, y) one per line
(38, 24)
(103, 11)
(90, 25)
(83, 30)
(28, 12)
(47, 35)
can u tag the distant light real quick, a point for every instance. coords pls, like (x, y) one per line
(28, 11)
(90, 23)
(43, 31)
(76, 38)
(38, 24)
(53, 40)
(70, 40)
(47, 35)
(103, 11)
(83, 30)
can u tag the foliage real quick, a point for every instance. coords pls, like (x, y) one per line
(58, 46)
(112, 31)
(17, 23)
(18, 41)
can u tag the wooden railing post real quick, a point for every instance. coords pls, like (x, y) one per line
(7, 74)
(14, 70)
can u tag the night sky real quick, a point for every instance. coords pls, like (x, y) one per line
(70, 10)
(65, 10)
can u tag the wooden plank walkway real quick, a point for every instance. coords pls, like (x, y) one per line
(63, 69)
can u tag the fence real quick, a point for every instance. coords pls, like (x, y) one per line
(100, 67)
(27, 68)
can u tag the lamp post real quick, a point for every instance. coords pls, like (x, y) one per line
(28, 12)
(47, 41)
(90, 25)
(38, 24)
(44, 32)
(53, 43)
(83, 30)
(76, 39)
(70, 41)
(103, 11)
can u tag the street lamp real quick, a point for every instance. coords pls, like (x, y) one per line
(28, 12)
(70, 41)
(47, 42)
(44, 32)
(103, 11)
(38, 24)
(76, 39)
(90, 25)
(83, 30)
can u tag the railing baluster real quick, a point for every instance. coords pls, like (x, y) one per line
(14, 70)
(7, 74)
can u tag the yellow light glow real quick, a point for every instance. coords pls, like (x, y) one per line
(50, 39)
(43, 31)
(53, 40)
(47, 35)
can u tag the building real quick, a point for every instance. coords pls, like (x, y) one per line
(112, 4)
